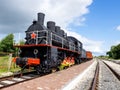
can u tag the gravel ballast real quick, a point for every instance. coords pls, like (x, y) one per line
(114, 66)
(107, 81)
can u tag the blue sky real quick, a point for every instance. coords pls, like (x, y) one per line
(94, 22)
(102, 22)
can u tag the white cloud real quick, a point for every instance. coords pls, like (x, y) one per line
(63, 12)
(118, 28)
(90, 45)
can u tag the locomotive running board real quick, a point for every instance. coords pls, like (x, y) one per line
(46, 45)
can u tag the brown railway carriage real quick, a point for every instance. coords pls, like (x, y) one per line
(89, 55)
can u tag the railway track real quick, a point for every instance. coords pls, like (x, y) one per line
(102, 75)
(105, 78)
(17, 78)
(116, 61)
(94, 85)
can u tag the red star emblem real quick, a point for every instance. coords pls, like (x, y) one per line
(33, 35)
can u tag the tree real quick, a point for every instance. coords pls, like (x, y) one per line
(109, 54)
(6, 44)
(114, 52)
(0, 46)
(22, 42)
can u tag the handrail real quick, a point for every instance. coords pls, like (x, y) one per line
(71, 44)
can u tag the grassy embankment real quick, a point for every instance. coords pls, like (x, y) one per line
(5, 65)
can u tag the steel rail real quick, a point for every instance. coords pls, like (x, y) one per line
(95, 80)
(23, 76)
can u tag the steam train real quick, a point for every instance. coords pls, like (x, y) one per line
(48, 47)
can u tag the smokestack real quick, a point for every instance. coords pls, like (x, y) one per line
(41, 18)
(51, 25)
(57, 28)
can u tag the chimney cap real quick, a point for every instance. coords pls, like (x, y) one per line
(41, 18)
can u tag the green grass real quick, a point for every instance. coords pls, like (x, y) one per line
(4, 64)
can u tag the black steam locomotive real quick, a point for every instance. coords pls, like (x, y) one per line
(48, 48)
